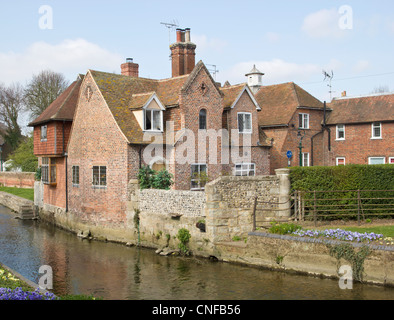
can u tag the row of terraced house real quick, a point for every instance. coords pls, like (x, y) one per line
(96, 136)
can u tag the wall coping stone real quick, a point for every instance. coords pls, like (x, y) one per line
(321, 241)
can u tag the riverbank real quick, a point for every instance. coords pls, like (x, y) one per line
(258, 249)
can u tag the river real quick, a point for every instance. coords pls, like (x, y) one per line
(116, 272)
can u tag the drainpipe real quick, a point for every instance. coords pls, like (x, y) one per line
(66, 171)
(324, 127)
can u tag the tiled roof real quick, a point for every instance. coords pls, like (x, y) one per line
(374, 108)
(279, 102)
(63, 107)
(123, 94)
(231, 93)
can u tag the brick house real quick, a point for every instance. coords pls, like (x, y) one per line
(188, 124)
(290, 115)
(51, 135)
(362, 130)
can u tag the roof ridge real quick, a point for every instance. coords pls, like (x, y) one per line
(73, 84)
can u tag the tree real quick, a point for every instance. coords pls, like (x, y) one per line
(11, 105)
(42, 90)
(23, 157)
(381, 89)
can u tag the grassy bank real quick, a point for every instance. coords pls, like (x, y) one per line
(18, 289)
(20, 192)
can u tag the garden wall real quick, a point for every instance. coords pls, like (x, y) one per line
(17, 179)
(306, 255)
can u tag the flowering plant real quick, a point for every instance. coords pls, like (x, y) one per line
(339, 234)
(20, 294)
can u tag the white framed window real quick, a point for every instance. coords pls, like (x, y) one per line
(305, 159)
(199, 176)
(376, 130)
(244, 122)
(44, 133)
(75, 176)
(303, 121)
(245, 169)
(99, 177)
(48, 170)
(153, 120)
(341, 161)
(376, 160)
(340, 132)
(391, 160)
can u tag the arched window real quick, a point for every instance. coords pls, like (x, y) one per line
(202, 119)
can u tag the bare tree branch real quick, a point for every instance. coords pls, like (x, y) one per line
(42, 90)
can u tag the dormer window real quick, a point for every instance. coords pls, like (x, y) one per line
(153, 115)
(153, 120)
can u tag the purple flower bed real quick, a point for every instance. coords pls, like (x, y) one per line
(19, 294)
(339, 234)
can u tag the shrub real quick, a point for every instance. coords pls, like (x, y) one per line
(162, 180)
(283, 228)
(349, 178)
(184, 237)
(150, 179)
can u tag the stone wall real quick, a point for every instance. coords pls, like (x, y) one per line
(305, 256)
(230, 203)
(163, 212)
(17, 179)
(22, 207)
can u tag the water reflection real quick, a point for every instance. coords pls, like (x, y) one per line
(114, 271)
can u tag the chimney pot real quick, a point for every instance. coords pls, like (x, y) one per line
(344, 94)
(187, 35)
(178, 35)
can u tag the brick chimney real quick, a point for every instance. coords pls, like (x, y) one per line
(183, 53)
(129, 68)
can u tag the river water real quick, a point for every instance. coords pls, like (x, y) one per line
(117, 272)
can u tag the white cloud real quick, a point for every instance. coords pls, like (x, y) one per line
(361, 66)
(272, 37)
(276, 71)
(323, 24)
(69, 57)
(208, 44)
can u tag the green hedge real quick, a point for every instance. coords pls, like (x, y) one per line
(347, 178)
(350, 177)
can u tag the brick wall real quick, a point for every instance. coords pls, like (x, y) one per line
(286, 139)
(17, 179)
(358, 145)
(56, 194)
(96, 140)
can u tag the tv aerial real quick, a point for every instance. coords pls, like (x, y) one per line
(170, 26)
(328, 77)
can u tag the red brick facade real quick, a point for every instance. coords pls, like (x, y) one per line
(358, 146)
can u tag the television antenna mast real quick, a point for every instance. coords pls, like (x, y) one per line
(170, 26)
(329, 77)
(213, 70)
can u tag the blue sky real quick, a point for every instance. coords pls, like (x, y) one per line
(287, 40)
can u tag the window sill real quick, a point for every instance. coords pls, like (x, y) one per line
(340, 139)
(43, 140)
(99, 187)
(245, 132)
(52, 184)
(153, 131)
(377, 138)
